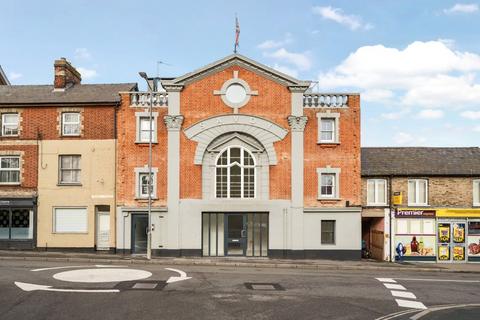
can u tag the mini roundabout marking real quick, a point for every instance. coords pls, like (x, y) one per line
(126, 279)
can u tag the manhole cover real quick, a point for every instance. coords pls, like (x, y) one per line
(264, 286)
(141, 285)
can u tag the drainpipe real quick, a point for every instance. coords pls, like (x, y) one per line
(390, 207)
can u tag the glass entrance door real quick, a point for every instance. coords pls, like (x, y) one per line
(139, 233)
(451, 241)
(236, 233)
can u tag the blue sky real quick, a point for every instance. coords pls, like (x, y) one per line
(416, 63)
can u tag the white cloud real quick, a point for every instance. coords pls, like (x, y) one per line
(377, 95)
(462, 8)
(476, 129)
(287, 70)
(302, 61)
(273, 44)
(82, 54)
(337, 15)
(430, 114)
(395, 115)
(472, 115)
(14, 75)
(407, 139)
(427, 74)
(87, 73)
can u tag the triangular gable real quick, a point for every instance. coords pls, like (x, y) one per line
(239, 60)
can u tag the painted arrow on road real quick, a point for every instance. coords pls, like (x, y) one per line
(182, 277)
(37, 287)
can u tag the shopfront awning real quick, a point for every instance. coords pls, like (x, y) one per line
(459, 213)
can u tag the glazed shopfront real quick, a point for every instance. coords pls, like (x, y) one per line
(437, 235)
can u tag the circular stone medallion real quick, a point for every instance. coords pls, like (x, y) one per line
(102, 275)
(235, 93)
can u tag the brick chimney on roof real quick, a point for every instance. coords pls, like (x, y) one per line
(65, 75)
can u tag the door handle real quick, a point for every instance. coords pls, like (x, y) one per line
(243, 233)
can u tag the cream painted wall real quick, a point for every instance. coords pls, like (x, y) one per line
(97, 188)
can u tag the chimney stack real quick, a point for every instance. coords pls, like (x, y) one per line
(65, 75)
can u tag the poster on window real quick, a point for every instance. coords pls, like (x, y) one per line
(474, 238)
(459, 232)
(443, 253)
(444, 232)
(458, 253)
(417, 245)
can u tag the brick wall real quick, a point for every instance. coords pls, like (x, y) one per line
(197, 103)
(345, 155)
(131, 155)
(28, 169)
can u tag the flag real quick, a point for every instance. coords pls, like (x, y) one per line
(237, 34)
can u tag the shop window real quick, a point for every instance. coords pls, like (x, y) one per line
(70, 220)
(70, 171)
(328, 183)
(9, 124)
(476, 193)
(16, 223)
(376, 192)
(71, 124)
(9, 170)
(142, 183)
(235, 174)
(328, 232)
(143, 127)
(328, 128)
(418, 192)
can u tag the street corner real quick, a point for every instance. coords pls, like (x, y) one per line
(97, 279)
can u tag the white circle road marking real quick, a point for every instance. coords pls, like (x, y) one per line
(102, 275)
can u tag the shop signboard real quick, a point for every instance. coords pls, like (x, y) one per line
(415, 213)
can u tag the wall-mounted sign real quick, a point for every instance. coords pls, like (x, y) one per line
(397, 198)
(415, 213)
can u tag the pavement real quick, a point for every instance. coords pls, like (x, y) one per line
(56, 289)
(241, 262)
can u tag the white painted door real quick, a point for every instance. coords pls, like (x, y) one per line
(103, 231)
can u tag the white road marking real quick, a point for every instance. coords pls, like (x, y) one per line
(386, 280)
(68, 267)
(403, 294)
(410, 304)
(439, 280)
(102, 275)
(394, 286)
(183, 276)
(34, 287)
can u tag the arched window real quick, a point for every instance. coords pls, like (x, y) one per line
(235, 173)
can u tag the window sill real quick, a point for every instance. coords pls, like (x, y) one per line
(145, 142)
(69, 184)
(144, 199)
(328, 199)
(70, 135)
(10, 183)
(328, 143)
(12, 136)
(377, 205)
(418, 205)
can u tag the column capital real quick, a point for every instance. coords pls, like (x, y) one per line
(173, 123)
(297, 123)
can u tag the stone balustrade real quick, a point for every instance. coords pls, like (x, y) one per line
(325, 100)
(142, 99)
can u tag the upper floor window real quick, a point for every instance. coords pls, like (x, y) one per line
(10, 124)
(328, 183)
(235, 173)
(143, 127)
(143, 183)
(417, 192)
(71, 124)
(69, 169)
(10, 169)
(328, 128)
(476, 192)
(376, 192)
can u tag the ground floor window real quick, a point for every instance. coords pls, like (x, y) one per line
(16, 223)
(235, 234)
(328, 232)
(70, 220)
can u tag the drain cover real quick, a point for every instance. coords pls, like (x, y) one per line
(264, 286)
(141, 285)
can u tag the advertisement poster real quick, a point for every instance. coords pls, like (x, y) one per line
(459, 232)
(444, 232)
(474, 245)
(458, 253)
(443, 253)
(417, 245)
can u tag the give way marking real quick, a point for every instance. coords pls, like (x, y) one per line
(399, 291)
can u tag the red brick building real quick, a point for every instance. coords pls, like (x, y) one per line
(246, 161)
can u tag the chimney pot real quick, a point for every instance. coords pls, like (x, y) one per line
(65, 74)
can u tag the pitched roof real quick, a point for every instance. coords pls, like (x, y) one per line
(77, 94)
(421, 161)
(3, 78)
(236, 59)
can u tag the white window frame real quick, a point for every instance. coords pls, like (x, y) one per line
(6, 124)
(60, 169)
(376, 183)
(417, 193)
(144, 171)
(12, 169)
(335, 116)
(83, 230)
(476, 193)
(329, 171)
(64, 123)
(242, 174)
(142, 115)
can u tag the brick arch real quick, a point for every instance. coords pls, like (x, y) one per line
(265, 131)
